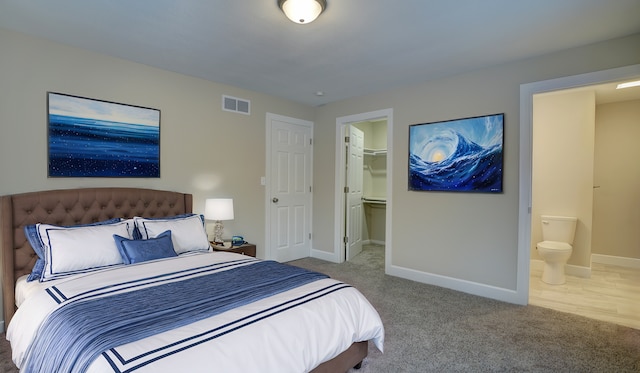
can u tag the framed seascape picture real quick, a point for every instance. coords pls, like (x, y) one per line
(460, 155)
(95, 138)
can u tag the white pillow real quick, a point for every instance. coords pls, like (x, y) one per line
(187, 232)
(71, 250)
(131, 227)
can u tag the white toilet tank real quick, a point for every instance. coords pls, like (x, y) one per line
(558, 228)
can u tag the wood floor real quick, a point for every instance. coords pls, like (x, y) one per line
(611, 294)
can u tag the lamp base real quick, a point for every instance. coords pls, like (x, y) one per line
(217, 232)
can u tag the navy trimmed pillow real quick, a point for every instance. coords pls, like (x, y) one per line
(31, 232)
(187, 231)
(136, 251)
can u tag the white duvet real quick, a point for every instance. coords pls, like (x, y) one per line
(294, 340)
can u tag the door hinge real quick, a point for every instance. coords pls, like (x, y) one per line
(310, 141)
(309, 236)
(346, 139)
(346, 189)
(345, 240)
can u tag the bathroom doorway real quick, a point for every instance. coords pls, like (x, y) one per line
(591, 274)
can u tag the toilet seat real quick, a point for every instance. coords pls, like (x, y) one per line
(554, 245)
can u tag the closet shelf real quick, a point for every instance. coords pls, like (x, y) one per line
(375, 200)
(374, 171)
(375, 152)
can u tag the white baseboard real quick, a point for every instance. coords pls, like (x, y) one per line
(470, 287)
(325, 255)
(335, 258)
(578, 271)
(569, 269)
(615, 260)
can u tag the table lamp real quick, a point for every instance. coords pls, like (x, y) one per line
(218, 209)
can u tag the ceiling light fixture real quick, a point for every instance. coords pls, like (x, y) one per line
(628, 84)
(302, 11)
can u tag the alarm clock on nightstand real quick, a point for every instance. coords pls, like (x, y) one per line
(237, 241)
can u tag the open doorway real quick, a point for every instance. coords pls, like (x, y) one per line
(363, 188)
(366, 192)
(601, 178)
(527, 92)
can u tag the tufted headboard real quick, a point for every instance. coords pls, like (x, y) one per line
(70, 207)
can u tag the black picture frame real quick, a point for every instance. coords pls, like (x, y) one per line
(97, 138)
(458, 155)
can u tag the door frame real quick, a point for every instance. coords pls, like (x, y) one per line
(339, 249)
(527, 91)
(268, 250)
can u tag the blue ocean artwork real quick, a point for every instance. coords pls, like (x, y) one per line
(464, 155)
(91, 138)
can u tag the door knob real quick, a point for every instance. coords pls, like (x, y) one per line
(274, 200)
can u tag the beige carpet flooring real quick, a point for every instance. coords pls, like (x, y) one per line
(432, 329)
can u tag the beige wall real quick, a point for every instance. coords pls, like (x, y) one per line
(562, 165)
(578, 145)
(378, 138)
(375, 221)
(616, 205)
(466, 237)
(197, 155)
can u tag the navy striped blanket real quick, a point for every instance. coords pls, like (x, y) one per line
(79, 331)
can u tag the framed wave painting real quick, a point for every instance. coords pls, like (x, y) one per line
(95, 138)
(461, 155)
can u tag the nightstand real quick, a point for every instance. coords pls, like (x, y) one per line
(244, 249)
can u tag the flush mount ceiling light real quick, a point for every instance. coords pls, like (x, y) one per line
(628, 84)
(302, 11)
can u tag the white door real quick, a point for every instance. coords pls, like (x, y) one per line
(354, 211)
(289, 189)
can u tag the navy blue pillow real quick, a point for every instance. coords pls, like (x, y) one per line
(36, 243)
(136, 251)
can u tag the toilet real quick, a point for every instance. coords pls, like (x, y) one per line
(558, 233)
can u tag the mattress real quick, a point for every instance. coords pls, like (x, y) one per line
(292, 330)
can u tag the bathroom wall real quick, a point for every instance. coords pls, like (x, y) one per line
(616, 203)
(562, 165)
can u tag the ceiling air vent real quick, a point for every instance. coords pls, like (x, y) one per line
(236, 105)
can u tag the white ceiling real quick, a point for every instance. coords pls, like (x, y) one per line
(355, 47)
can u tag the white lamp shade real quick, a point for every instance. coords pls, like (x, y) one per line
(302, 11)
(219, 209)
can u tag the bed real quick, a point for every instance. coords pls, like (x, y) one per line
(307, 322)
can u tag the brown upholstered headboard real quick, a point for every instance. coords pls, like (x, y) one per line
(70, 207)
